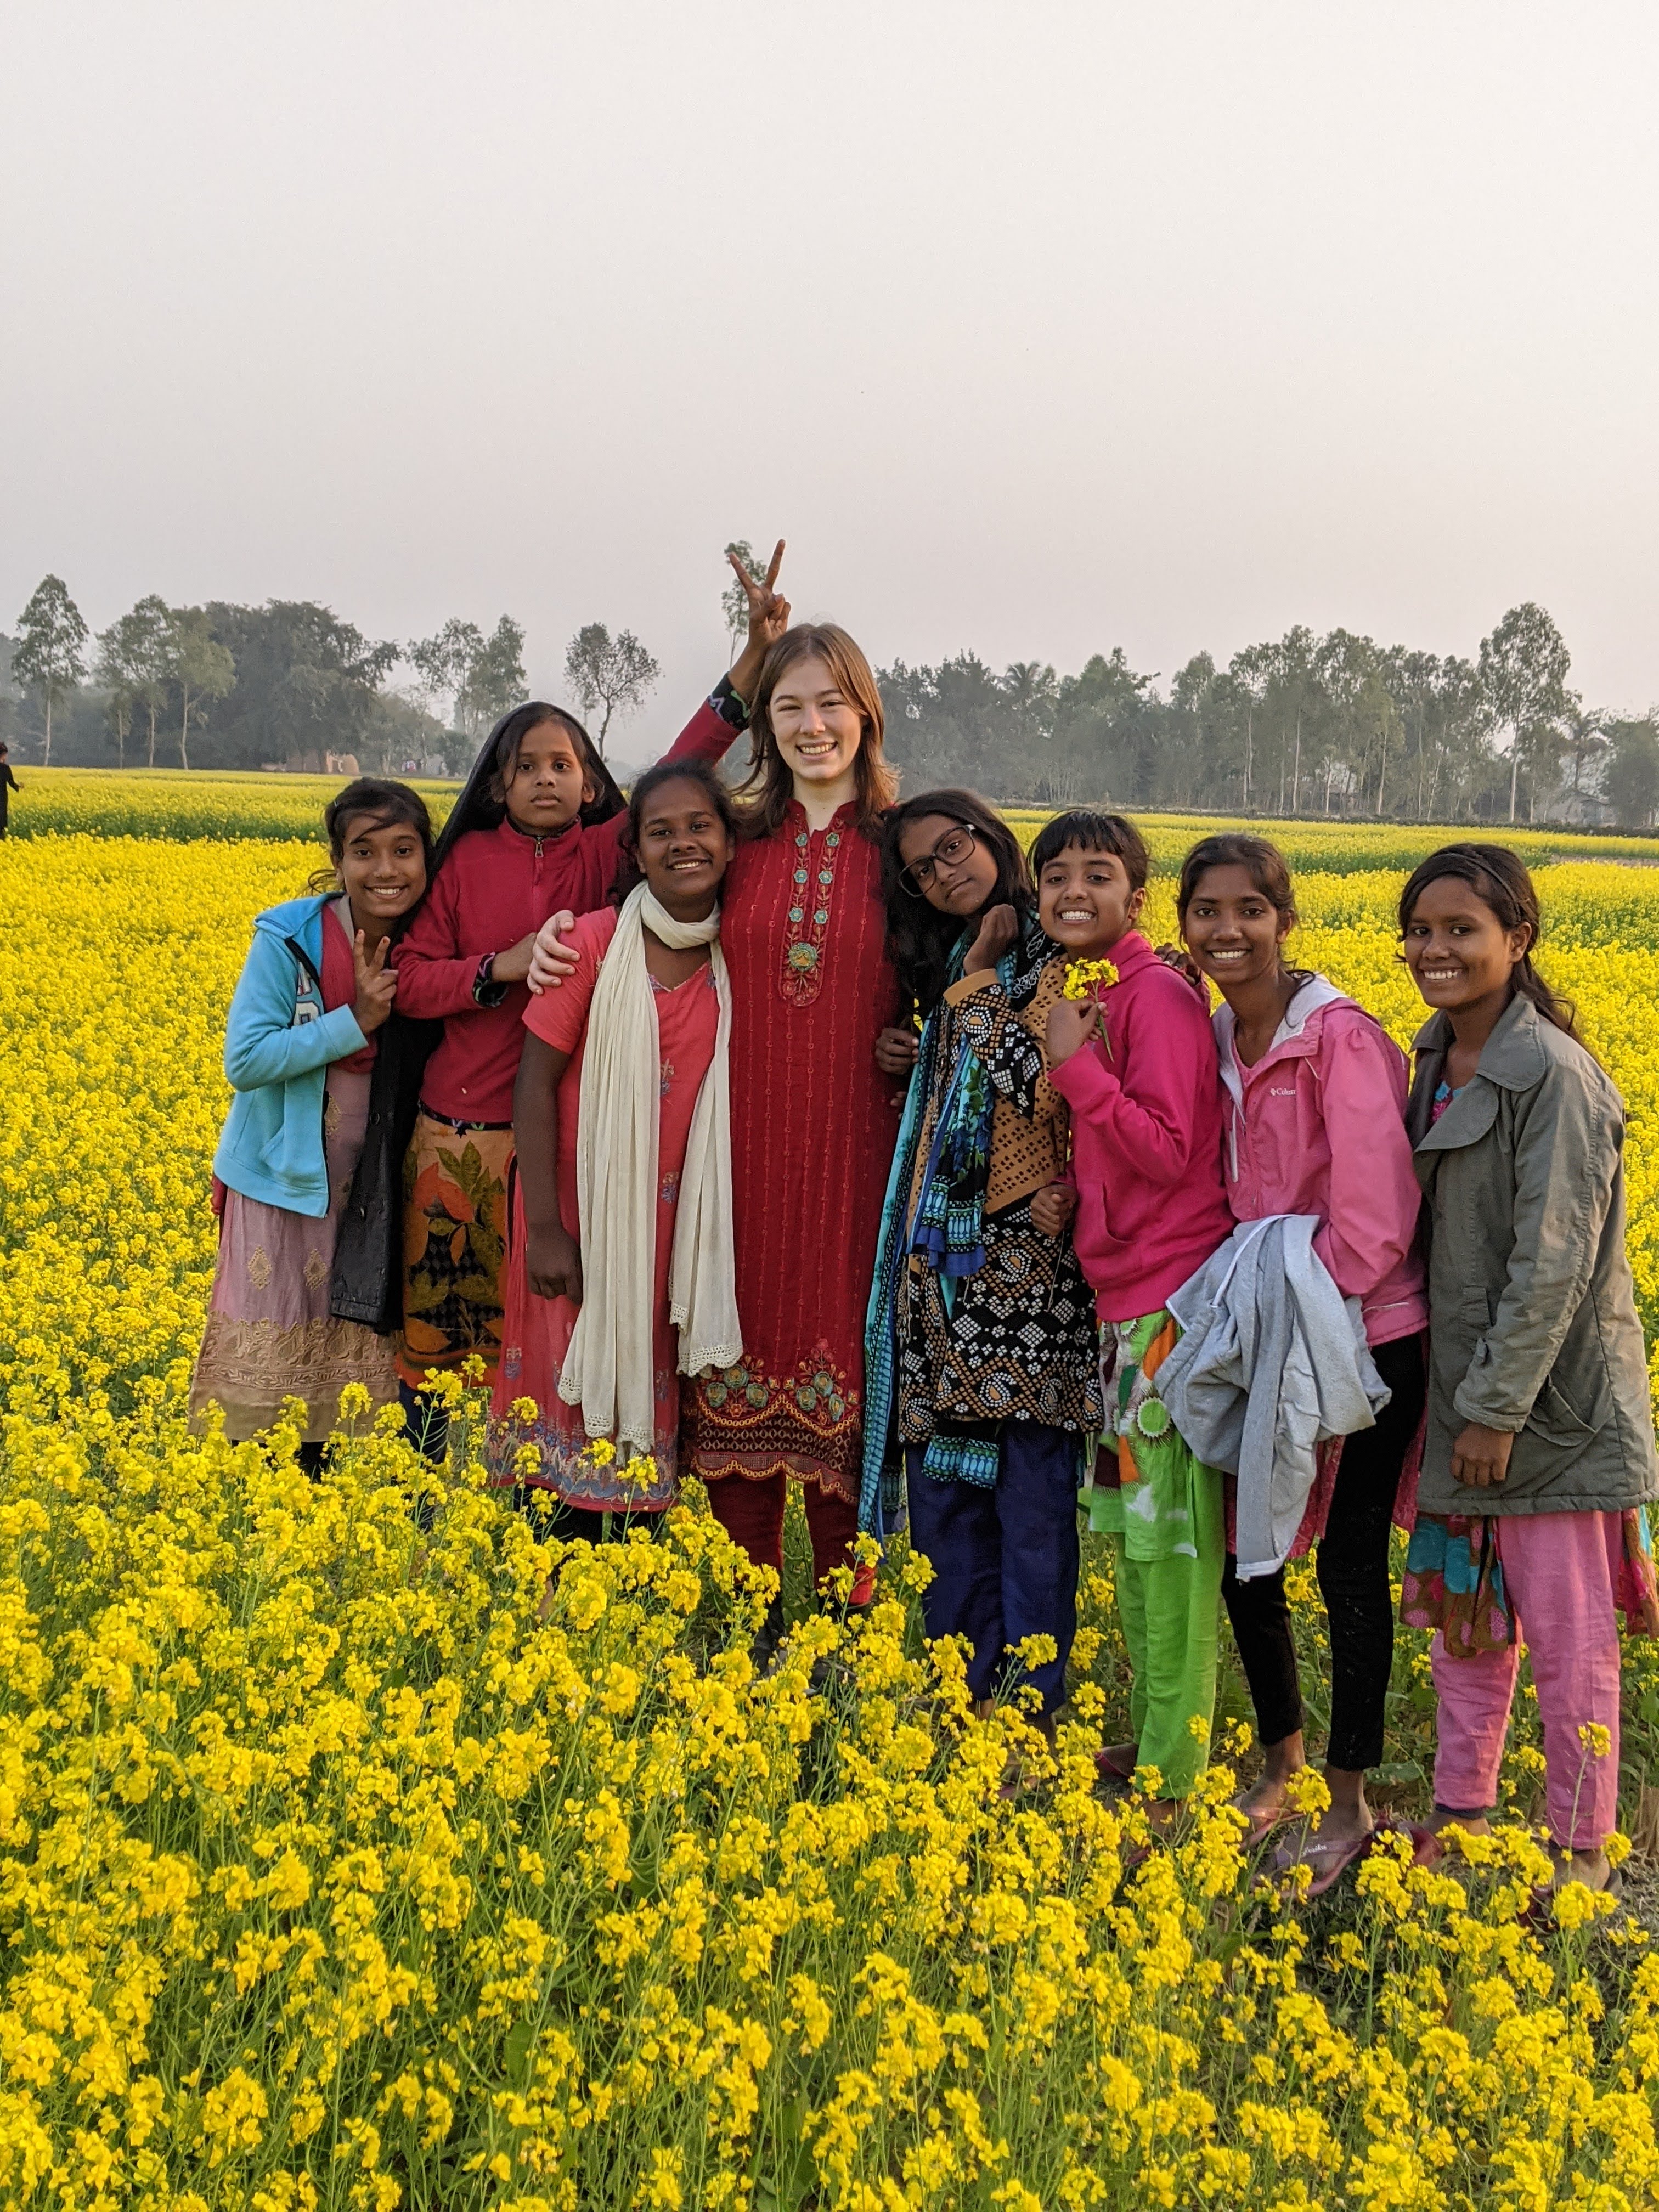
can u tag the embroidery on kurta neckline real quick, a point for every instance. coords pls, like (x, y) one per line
(801, 975)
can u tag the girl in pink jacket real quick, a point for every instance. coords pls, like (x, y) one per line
(1314, 1105)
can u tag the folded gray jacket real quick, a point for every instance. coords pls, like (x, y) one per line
(1271, 1361)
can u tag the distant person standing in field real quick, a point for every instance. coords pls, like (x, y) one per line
(317, 1059)
(1539, 1469)
(8, 783)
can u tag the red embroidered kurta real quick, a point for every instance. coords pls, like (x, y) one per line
(813, 1124)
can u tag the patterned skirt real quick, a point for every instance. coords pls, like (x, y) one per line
(454, 1244)
(270, 1334)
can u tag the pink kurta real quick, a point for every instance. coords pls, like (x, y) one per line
(536, 1332)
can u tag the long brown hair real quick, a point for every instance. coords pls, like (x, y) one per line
(1499, 879)
(768, 787)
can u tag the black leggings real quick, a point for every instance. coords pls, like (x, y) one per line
(1354, 1581)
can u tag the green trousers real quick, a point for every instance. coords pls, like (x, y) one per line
(1170, 1613)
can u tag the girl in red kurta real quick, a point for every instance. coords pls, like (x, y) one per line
(682, 833)
(536, 832)
(813, 1119)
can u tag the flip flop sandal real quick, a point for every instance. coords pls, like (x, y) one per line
(1330, 1858)
(1263, 1820)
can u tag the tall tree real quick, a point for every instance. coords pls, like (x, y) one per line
(440, 663)
(198, 666)
(132, 662)
(1523, 670)
(1630, 779)
(494, 677)
(612, 672)
(734, 600)
(50, 646)
(307, 682)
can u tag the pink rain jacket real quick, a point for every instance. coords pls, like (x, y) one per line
(1317, 1126)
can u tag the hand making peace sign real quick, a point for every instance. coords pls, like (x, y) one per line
(768, 618)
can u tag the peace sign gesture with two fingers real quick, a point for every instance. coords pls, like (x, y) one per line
(768, 618)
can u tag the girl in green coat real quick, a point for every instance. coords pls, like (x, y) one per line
(1539, 1464)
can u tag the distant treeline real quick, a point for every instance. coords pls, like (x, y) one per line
(1336, 724)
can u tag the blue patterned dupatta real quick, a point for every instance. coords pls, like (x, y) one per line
(947, 1228)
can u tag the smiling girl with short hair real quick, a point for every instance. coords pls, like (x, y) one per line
(1136, 1061)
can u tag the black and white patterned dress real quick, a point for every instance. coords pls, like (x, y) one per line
(1018, 1340)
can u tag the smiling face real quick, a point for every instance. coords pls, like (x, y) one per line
(685, 848)
(1086, 900)
(1233, 931)
(383, 867)
(546, 784)
(950, 867)
(816, 727)
(1457, 950)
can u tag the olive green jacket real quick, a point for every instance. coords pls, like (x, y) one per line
(1532, 1310)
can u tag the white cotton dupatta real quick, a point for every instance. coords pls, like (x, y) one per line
(608, 1369)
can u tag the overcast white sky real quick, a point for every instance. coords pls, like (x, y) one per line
(1036, 327)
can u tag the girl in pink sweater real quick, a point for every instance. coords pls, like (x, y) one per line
(1314, 1112)
(1136, 1062)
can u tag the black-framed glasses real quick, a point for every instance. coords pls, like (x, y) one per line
(952, 850)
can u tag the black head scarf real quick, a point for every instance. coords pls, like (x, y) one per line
(478, 808)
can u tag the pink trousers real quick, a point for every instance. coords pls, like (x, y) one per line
(1561, 1571)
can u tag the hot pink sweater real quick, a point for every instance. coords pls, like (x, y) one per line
(1145, 1138)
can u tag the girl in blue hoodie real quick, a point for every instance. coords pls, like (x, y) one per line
(307, 1033)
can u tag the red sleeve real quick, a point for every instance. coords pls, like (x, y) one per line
(1147, 1123)
(434, 978)
(1375, 1197)
(705, 738)
(559, 1018)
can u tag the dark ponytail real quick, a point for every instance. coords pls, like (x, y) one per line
(1500, 880)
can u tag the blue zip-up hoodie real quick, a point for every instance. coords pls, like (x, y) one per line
(278, 1046)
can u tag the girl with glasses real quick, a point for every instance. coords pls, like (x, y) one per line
(981, 1353)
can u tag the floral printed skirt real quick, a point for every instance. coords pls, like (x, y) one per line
(454, 1244)
(270, 1334)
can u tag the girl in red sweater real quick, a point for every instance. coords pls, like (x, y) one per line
(538, 829)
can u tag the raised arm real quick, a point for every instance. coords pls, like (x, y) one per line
(553, 1263)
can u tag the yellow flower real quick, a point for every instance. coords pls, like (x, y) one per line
(1087, 979)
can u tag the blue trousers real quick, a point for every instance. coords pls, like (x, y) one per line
(1004, 1560)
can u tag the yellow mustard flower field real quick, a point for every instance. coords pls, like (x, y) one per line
(335, 1872)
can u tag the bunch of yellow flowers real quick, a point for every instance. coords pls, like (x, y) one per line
(361, 1848)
